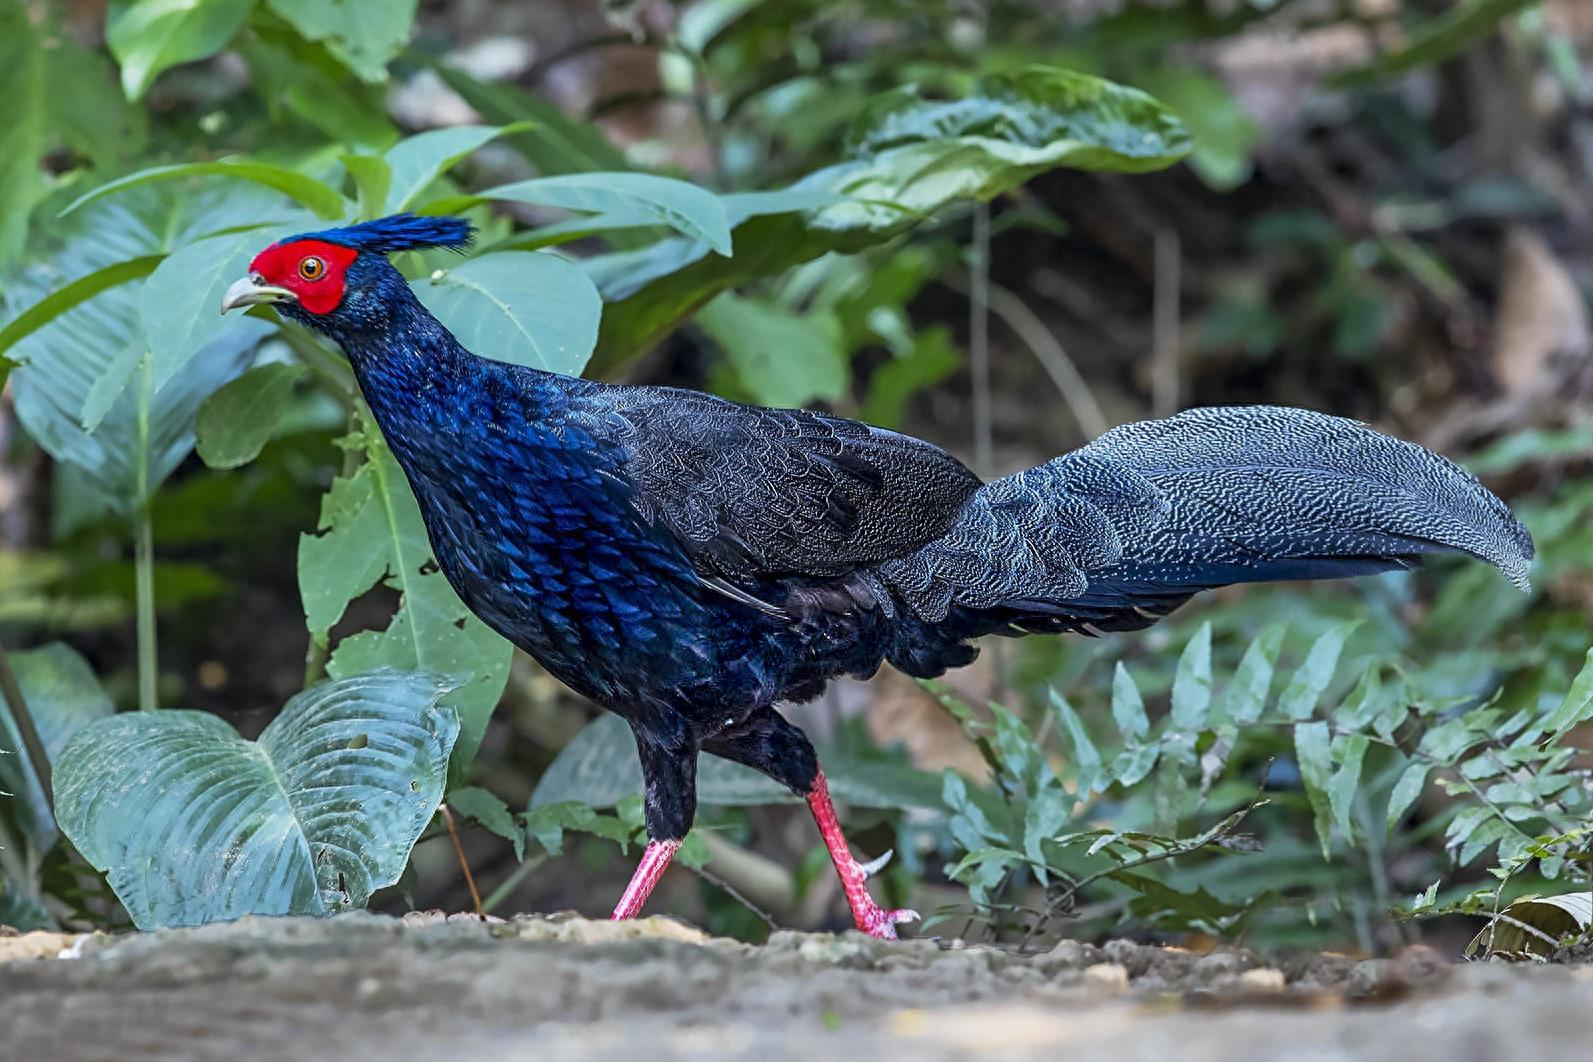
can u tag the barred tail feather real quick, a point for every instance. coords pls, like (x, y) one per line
(1128, 527)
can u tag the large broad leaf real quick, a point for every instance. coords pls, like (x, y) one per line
(371, 527)
(365, 35)
(147, 36)
(783, 358)
(319, 197)
(642, 198)
(237, 421)
(599, 769)
(178, 305)
(415, 163)
(62, 696)
(193, 824)
(22, 86)
(914, 158)
(523, 307)
(85, 390)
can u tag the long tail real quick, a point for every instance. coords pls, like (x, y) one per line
(1118, 533)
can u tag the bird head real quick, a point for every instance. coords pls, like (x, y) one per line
(340, 277)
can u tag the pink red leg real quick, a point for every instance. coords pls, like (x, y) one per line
(648, 871)
(869, 916)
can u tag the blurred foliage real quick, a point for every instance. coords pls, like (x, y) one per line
(784, 229)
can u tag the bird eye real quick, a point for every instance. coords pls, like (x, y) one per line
(312, 268)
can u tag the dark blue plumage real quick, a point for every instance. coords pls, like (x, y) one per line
(688, 562)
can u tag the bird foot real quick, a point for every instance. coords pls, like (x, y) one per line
(878, 922)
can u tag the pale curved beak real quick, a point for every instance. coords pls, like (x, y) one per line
(246, 291)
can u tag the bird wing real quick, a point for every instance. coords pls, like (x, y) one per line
(751, 491)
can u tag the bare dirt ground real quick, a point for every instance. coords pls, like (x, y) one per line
(364, 987)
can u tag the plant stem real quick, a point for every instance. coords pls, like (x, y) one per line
(510, 883)
(31, 741)
(144, 575)
(464, 864)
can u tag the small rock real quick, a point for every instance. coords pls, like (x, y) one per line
(1108, 978)
(1262, 980)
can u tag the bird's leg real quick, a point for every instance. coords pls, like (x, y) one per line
(767, 742)
(648, 871)
(669, 803)
(870, 917)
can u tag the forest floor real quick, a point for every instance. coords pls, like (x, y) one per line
(364, 986)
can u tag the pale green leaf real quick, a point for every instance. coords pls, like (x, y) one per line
(193, 824)
(1128, 707)
(237, 421)
(1345, 781)
(416, 162)
(1300, 696)
(1086, 757)
(695, 212)
(489, 810)
(63, 696)
(1247, 696)
(317, 196)
(782, 358)
(148, 36)
(1406, 790)
(365, 35)
(22, 131)
(1192, 682)
(1312, 749)
(523, 307)
(1576, 708)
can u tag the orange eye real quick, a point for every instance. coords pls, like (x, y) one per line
(312, 268)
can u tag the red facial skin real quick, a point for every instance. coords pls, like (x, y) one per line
(284, 265)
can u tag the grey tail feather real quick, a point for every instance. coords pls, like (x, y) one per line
(1151, 512)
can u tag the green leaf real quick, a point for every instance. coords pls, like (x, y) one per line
(78, 291)
(491, 812)
(373, 178)
(1134, 763)
(1434, 40)
(1049, 810)
(87, 112)
(178, 306)
(1300, 696)
(1247, 696)
(1312, 745)
(22, 132)
(694, 212)
(321, 198)
(148, 36)
(1346, 779)
(63, 696)
(85, 389)
(237, 421)
(372, 524)
(917, 157)
(1224, 135)
(523, 307)
(1576, 708)
(1192, 682)
(365, 35)
(193, 824)
(1086, 757)
(1406, 790)
(418, 161)
(1128, 707)
(782, 358)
